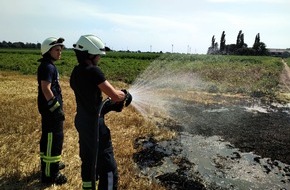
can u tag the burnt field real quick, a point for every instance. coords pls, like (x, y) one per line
(224, 140)
(239, 143)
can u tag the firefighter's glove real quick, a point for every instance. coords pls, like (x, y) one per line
(128, 97)
(56, 110)
(112, 106)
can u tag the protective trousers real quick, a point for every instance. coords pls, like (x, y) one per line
(51, 143)
(106, 169)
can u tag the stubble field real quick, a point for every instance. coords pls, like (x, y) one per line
(20, 133)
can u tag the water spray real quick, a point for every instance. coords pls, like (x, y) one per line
(163, 86)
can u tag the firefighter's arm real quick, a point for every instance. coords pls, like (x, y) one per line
(46, 90)
(117, 98)
(116, 95)
(109, 90)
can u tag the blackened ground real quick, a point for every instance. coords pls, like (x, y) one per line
(265, 131)
(152, 155)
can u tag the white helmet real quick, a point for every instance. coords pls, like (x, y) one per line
(90, 43)
(50, 42)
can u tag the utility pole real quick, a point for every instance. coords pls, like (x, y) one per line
(188, 49)
(172, 48)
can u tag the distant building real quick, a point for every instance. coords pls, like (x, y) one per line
(279, 52)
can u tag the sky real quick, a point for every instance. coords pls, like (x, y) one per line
(183, 26)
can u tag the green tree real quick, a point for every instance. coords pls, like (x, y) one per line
(260, 47)
(257, 41)
(213, 49)
(223, 42)
(240, 40)
(212, 41)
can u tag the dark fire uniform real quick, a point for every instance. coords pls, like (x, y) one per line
(52, 127)
(84, 81)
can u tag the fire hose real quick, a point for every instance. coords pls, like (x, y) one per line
(96, 143)
(109, 106)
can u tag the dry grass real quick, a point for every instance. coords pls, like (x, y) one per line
(20, 134)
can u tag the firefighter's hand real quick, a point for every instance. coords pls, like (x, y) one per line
(56, 110)
(128, 97)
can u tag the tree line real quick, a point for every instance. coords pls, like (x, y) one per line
(239, 48)
(5, 44)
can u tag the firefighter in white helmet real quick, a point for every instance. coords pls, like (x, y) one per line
(50, 108)
(88, 82)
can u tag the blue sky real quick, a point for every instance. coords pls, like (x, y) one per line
(186, 26)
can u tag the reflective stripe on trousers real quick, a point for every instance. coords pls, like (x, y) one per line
(110, 180)
(47, 158)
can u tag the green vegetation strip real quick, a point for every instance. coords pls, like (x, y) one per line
(257, 75)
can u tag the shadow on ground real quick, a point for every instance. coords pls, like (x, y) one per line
(15, 181)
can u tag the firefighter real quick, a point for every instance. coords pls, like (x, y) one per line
(88, 82)
(50, 106)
